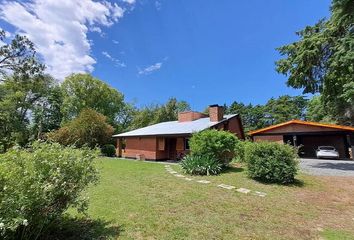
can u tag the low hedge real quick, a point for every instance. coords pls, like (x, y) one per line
(108, 150)
(271, 162)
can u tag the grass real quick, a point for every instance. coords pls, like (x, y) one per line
(142, 201)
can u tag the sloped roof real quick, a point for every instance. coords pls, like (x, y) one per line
(174, 127)
(316, 124)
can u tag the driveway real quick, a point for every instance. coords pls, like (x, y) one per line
(327, 167)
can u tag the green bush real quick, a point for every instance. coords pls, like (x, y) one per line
(271, 162)
(90, 128)
(200, 165)
(38, 184)
(108, 150)
(214, 144)
(240, 150)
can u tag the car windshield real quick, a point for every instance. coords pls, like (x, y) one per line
(326, 148)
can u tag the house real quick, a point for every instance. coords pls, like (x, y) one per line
(169, 140)
(309, 135)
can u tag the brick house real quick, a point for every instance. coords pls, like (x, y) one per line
(169, 140)
(308, 136)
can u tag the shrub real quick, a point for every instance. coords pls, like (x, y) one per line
(240, 149)
(200, 165)
(37, 185)
(271, 162)
(108, 150)
(89, 128)
(214, 144)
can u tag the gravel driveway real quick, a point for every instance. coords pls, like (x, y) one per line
(327, 167)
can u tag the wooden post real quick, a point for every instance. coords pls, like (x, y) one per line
(119, 147)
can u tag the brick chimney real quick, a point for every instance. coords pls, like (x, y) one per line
(190, 116)
(216, 113)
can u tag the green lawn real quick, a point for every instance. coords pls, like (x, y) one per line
(140, 200)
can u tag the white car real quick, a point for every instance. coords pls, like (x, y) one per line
(327, 152)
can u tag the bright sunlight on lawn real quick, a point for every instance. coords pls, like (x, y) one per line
(143, 201)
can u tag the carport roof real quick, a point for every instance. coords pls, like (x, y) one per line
(316, 124)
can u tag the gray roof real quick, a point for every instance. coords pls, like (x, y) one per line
(174, 127)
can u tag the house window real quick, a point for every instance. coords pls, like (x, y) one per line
(186, 144)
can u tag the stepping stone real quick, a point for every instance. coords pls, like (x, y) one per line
(188, 179)
(261, 194)
(179, 175)
(226, 186)
(172, 172)
(203, 181)
(243, 190)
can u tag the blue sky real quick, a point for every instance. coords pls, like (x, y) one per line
(204, 52)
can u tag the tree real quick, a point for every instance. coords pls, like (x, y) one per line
(316, 111)
(82, 91)
(18, 57)
(153, 114)
(322, 61)
(285, 108)
(90, 128)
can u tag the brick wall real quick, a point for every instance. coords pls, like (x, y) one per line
(144, 145)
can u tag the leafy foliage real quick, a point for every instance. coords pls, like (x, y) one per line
(18, 57)
(39, 184)
(82, 91)
(240, 150)
(108, 150)
(158, 113)
(276, 110)
(317, 112)
(323, 61)
(89, 128)
(201, 165)
(271, 162)
(214, 144)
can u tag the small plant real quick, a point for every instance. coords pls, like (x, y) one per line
(214, 144)
(39, 184)
(108, 150)
(271, 162)
(201, 165)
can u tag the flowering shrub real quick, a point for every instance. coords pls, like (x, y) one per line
(38, 184)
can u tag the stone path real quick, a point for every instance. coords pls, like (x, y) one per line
(224, 186)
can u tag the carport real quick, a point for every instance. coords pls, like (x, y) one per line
(308, 136)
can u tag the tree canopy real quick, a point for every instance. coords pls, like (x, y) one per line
(82, 91)
(322, 61)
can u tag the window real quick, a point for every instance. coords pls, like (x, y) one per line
(186, 144)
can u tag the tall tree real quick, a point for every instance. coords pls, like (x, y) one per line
(284, 108)
(322, 61)
(18, 57)
(82, 91)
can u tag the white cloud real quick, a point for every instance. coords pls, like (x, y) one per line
(117, 62)
(150, 69)
(115, 41)
(129, 1)
(158, 5)
(59, 29)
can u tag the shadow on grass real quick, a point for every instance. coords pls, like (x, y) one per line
(233, 170)
(82, 229)
(295, 183)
